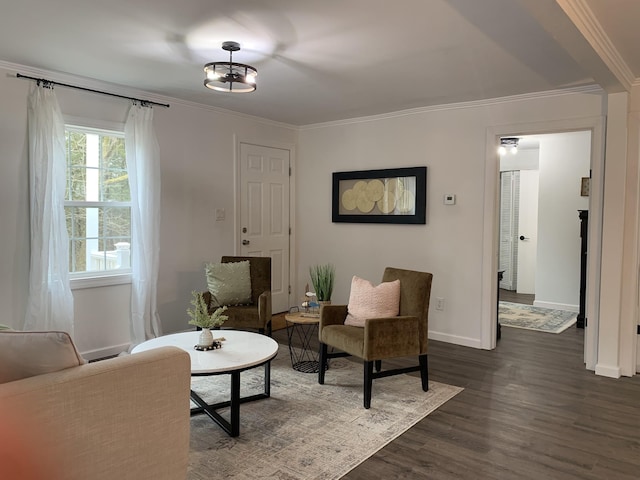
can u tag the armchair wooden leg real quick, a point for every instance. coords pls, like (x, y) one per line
(368, 383)
(322, 361)
(424, 372)
(378, 365)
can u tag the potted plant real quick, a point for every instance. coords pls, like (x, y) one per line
(200, 317)
(322, 277)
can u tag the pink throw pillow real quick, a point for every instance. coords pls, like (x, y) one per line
(368, 301)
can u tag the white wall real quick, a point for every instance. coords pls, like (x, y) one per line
(524, 159)
(197, 157)
(564, 160)
(197, 148)
(451, 142)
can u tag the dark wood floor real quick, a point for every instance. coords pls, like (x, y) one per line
(513, 297)
(529, 410)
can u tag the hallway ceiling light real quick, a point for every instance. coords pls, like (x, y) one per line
(230, 76)
(508, 144)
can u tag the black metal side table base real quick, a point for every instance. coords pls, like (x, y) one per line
(304, 359)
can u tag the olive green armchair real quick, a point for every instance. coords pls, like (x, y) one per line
(257, 314)
(382, 338)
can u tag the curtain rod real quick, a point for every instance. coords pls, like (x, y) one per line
(51, 82)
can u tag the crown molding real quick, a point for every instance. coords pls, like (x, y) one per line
(131, 92)
(591, 88)
(587, 23)
(91, 83)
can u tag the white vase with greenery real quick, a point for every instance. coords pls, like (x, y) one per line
(322, 277)
(200, 317)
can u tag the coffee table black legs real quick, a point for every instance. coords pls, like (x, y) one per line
(231, 426)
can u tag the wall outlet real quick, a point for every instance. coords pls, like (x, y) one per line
(439, 303)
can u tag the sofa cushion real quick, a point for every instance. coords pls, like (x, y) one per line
(229, 283)
(369, 301)
(26, 354)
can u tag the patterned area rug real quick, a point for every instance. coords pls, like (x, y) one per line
(535, 318)
(306, 430)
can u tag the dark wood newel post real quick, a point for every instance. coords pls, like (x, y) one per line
(584, 224)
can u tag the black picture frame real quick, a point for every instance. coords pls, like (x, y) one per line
(391, 195)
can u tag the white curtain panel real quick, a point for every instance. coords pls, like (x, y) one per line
(50, 302)
(143, 165)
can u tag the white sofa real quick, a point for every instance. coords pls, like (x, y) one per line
(122, 418)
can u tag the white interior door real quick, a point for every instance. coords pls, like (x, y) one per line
(527, 231)
(264, 213)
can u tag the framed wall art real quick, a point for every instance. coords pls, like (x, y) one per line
(393, 195)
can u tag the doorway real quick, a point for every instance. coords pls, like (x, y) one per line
(540, 198)
(519, 186)
(518, 235)
(264, 222)
(596, 126)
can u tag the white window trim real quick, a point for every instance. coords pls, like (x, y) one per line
(80, 281)
(104, 278)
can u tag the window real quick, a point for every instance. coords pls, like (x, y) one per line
(97, 202)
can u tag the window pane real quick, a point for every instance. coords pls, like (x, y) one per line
(78, 249)
(116, 222)
(76, 182)
(114, 177)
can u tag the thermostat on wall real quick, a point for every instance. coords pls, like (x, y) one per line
(449, 199)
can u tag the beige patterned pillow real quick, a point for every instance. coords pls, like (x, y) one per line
(229, 283)
(368, 301)
(26, 354)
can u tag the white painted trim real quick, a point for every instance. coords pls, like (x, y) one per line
(79, 283)
(132, 92)
(455, 339)
(557, 306)
(105, 352)
(586, 22)
(91, 83)
(460, 105)
(91, 124)
(611, 371)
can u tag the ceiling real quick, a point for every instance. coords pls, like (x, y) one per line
(325, 60)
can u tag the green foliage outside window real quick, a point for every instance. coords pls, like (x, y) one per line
(100, 178)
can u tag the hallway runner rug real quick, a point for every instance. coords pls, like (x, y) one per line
(535, 318)
(306, 431)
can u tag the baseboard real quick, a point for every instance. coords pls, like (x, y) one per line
(608, 371)
(455, 339)
(105, 352)
(557, 306)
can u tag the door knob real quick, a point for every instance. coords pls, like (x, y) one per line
(245, 242)
(522, 237)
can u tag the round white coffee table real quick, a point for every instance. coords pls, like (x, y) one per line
(240, 351)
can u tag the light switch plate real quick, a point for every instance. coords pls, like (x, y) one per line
(219, 214)
(449, 199)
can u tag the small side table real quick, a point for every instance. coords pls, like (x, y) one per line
(303, 328)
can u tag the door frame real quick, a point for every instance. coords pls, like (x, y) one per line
(237, 237)
(491, 237)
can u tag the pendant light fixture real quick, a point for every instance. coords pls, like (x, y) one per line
(230, 77)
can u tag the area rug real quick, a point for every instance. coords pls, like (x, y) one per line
(306, 430)
(535, 318)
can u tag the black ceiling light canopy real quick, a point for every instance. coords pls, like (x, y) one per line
(230, 77)
(508, 144)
